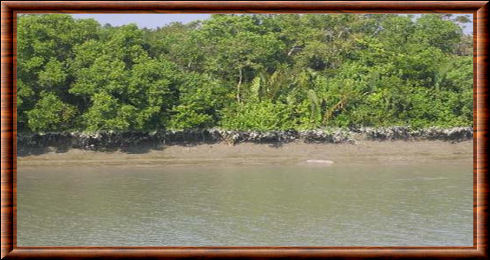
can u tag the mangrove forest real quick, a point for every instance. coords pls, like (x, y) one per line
(245, 72)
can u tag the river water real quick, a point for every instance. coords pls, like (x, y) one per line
(298, 204)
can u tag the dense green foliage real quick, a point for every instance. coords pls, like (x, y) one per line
(244, 72)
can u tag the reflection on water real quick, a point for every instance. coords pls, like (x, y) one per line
(338, 205)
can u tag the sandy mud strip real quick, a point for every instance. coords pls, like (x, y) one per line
(250, 154)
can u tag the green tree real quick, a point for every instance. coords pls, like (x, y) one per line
(262, 72)
(51, 114)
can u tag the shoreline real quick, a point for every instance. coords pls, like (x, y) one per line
(39, 143)
(251, 154)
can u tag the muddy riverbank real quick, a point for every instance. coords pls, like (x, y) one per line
(250, 154)
(139, 141)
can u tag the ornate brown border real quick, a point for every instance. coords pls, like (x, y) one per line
(10, 250)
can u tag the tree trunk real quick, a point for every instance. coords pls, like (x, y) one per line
(238, 87)
(329, 112)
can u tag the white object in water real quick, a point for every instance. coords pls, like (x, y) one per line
(319, 161)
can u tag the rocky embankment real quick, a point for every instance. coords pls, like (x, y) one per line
(107, 141)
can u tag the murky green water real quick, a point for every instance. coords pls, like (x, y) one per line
(301, 205)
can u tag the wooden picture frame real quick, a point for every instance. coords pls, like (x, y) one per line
(9, 248)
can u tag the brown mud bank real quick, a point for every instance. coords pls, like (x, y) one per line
(250, 154)
(145, 141)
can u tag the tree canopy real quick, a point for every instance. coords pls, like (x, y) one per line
(244, 72)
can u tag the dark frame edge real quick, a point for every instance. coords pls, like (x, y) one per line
(8, 133)
(480, 143)
(250, 252)
(246, 6)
